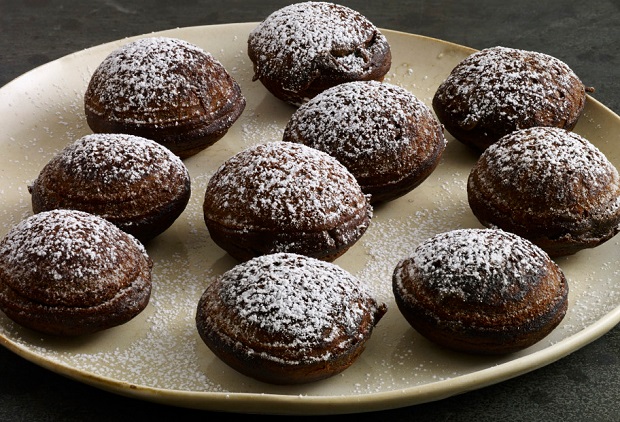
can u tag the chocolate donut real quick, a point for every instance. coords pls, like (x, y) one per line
(133, 182)
(287, 318)
(164, 89)
(498, 90)
(387, 138)
(550, 186)
(285, 197)
(70, 273)
(304, 48)
(481, 291)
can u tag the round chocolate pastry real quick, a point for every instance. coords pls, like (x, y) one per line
(499, 90)
(550, 186)
(305, 48)
(285, 197)
(287, 318)
(481, 291)
(133, 182)
(387, 138)
(69, 273)
(164, 89)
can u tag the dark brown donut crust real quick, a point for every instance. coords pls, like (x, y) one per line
(498, 90)
(550, 186)
(294, 350)
(305, 48)
(93, 276)
(186, 104)
(133, 182)
(521, 299)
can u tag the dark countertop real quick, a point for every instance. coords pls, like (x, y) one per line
(586, 35)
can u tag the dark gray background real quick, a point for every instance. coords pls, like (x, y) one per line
(583, 386)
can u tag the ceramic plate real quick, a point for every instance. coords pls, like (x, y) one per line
(159, 356)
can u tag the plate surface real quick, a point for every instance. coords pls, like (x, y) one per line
(159, 356)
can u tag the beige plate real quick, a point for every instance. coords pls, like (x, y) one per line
(159, 356)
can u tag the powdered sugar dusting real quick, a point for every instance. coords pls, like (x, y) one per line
(160, 347)
(151, 75)
(389, 240)
(300, 304)
(68, 253)
(96, 165)
(284, 184)
(474, 265)
(292, 42)
(381, 129)
(554, 168)
(124, 157)
(548, 156)
(511, 83)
